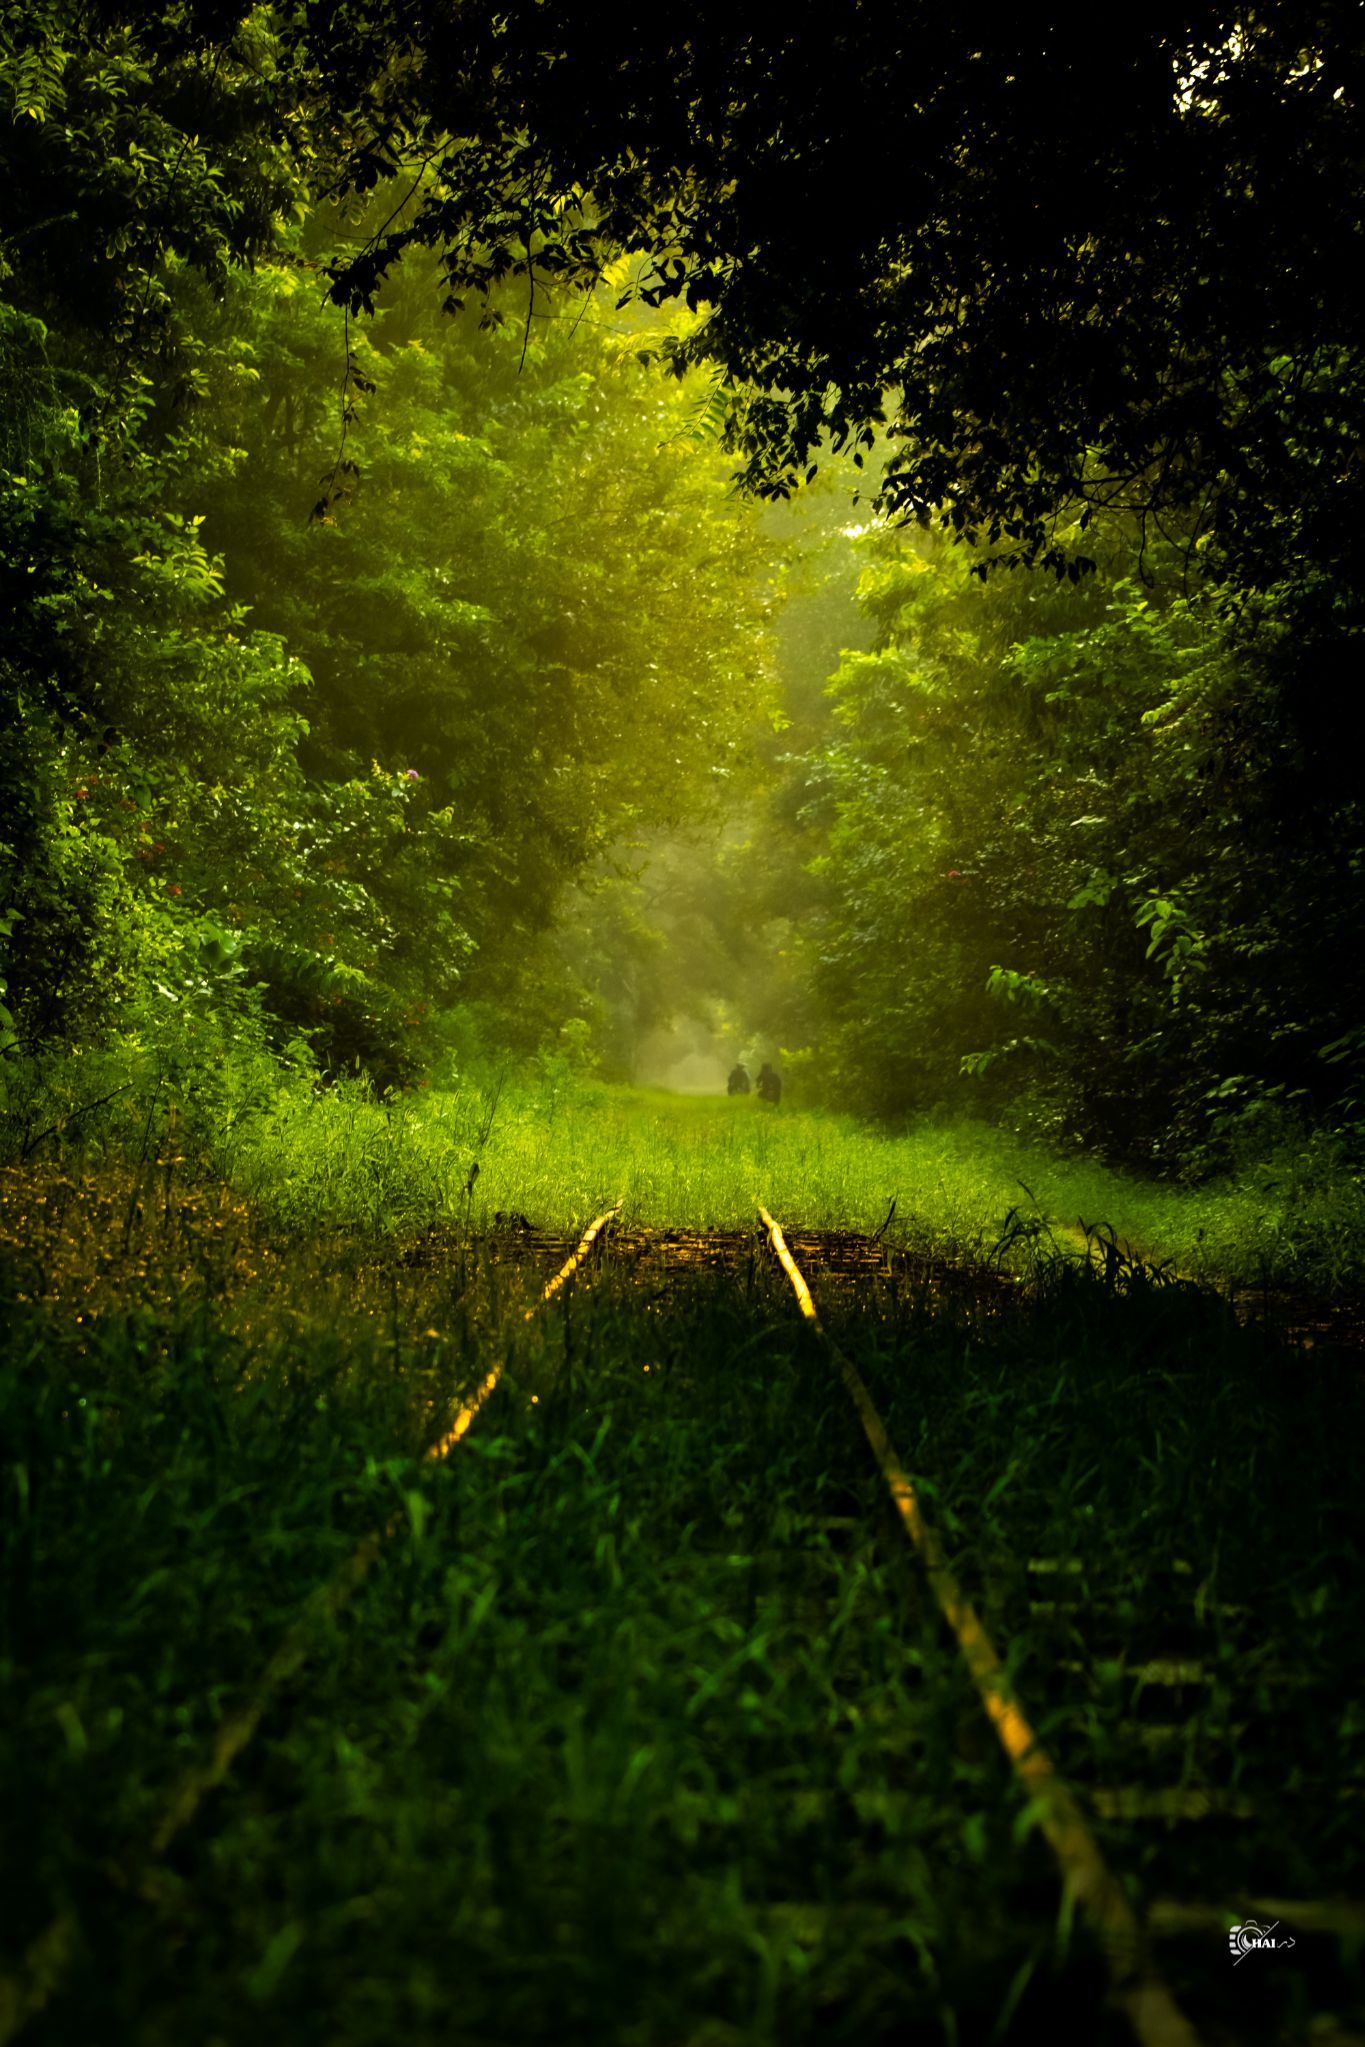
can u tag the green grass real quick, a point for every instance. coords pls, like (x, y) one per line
(644, 1729)
(558, 1149)
(617, 1745)
(559, 1154)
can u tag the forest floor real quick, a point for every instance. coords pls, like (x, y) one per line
(626, 1716)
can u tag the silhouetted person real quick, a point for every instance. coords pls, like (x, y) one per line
(769, 1084)
(738, 1083)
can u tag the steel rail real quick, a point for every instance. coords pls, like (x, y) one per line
(50, 1953)
(237, 1730)
(1137, 1989)
(571, 1264)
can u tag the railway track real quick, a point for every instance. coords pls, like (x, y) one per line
(1089, 1884)
(1063, 1603)
(847, 1258)
(844, 1259)
(1084, 1628)
(1081, 1631)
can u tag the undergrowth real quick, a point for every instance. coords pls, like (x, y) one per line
(543, 1145)
(643, 1728)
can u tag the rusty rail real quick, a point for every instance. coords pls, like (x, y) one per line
(50, 1953)
(1138, 1990)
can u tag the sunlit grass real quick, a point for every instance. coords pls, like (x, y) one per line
(555, 1150)
(643, 1708)
(557, 1153)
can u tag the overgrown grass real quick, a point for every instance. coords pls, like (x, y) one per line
(1160, 1515)
(619, 1744)
(555, 1149)
(643, 1729)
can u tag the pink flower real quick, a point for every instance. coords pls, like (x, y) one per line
(411, 775)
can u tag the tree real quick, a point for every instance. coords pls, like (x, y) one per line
(536, 596)
(353, 753)
(134, 152)
(1066, 852)
(1084, 275)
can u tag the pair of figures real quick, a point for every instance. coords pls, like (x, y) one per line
(769, 1083)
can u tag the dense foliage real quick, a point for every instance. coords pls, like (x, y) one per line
(1069, 846)
(331, 741)
(407, 715)
(1069, 268)
(390, 662)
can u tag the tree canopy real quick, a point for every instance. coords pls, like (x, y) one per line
(1075, 272)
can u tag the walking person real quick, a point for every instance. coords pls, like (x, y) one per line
(769, 1084)
(738, 1083)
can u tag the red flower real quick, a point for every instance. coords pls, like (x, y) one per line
(173, 888)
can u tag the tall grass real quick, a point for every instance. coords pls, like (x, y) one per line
(556, 1149)
(559, 1151)
(643, 1731)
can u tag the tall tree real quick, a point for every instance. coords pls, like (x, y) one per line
(348, 754)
